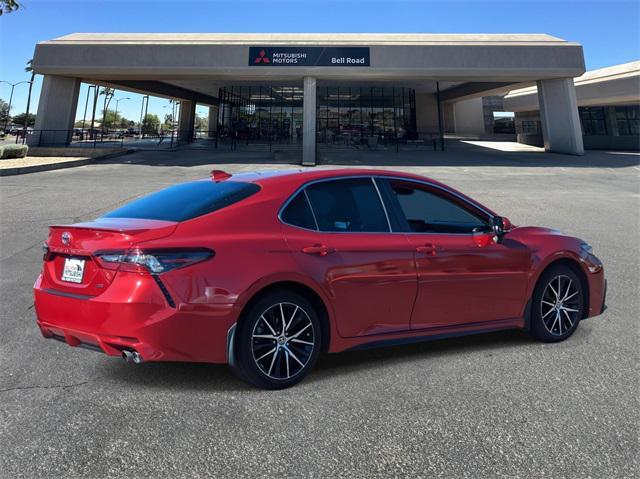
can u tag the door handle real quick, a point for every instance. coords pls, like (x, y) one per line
(428, 249)
(319, 249)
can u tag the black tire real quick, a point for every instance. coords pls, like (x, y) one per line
(269, 357)
(558, 304)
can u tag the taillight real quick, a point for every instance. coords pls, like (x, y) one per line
(151, 261)
(46, 254)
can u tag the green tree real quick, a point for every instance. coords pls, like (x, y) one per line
(202, 123)
(20, 119)
(114, 120)
(4, 111)
(168, 122)
(8, 6)
(124, 123)
(150, 124)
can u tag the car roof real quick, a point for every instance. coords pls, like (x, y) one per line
(286, 181)
(301, 176)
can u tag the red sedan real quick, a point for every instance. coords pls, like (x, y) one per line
(263, 271)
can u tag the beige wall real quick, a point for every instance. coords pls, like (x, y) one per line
(426, 113)
(449, 121)
(509, 58)
(469, 117)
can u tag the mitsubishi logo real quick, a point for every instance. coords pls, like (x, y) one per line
(66, 238)
(262, 58)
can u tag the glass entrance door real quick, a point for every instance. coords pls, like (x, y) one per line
(260, 114)
(365, 116)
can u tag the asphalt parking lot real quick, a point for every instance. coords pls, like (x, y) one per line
(497, 405)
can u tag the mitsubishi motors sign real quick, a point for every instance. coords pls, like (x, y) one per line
(309, 56)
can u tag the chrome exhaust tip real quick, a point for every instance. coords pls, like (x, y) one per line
(132, 356)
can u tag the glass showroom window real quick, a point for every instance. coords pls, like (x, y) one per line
(592, 119)
(529, 127)
(261, 114)
(628, 119)
(352, 116)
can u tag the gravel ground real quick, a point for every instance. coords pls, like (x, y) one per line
(496, 405)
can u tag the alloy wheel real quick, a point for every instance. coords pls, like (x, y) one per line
(560, 305)
(283, 341)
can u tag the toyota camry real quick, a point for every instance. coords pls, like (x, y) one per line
(264, 271)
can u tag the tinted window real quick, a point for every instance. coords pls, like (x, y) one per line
(185, 201)
(428, 212)
(298, 213)
(347, 205)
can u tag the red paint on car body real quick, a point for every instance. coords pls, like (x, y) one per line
(373, 286)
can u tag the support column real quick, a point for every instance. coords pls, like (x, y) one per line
(56, 111)
(559, 116)
(213, 121)
(309, 122)
(186, 121)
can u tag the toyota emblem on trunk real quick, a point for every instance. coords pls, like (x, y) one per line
(66, 238)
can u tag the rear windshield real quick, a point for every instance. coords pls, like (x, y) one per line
(186, 200)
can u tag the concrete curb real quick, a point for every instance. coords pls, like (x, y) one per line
(21, 170)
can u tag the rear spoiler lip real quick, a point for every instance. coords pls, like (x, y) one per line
(119, 225)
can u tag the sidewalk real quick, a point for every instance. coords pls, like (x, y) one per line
(36, 162)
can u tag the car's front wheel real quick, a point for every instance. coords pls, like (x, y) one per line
(278, 340)
(557, 304)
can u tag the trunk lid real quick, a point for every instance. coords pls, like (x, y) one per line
(73, 246)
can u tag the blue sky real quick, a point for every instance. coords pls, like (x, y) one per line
(608, 30)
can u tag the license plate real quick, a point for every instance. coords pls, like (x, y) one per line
(73, 270)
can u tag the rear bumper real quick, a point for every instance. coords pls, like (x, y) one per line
(140, 320)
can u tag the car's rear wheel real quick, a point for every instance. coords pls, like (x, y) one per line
(557, 306)
(278, 340)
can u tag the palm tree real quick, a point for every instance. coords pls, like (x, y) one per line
(108, 95)
(29, 69)
(8, 6)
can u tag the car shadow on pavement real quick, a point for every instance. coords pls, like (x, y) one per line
(170, 376)
(350, 362)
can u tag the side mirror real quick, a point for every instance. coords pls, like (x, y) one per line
(506, 224)
(497, 225)
(500, 225)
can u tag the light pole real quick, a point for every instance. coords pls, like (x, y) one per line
(118, 100)
(145, 100)
(13, 85)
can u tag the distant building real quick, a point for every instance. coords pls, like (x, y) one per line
(315, 90)
(608, 104)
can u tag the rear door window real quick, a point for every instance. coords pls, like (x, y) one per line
(347, 205)
(186, 201)
(298, 212)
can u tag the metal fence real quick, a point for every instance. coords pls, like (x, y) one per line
(224, 140)
(231, 140)
(78, 138)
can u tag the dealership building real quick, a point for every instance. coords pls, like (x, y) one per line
(608, 106)
(318, 89)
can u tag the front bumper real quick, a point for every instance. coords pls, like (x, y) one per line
(133, 314)
(594, 271)
(604, 298)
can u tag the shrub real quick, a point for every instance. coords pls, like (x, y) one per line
(14, 151)
(1, 151)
